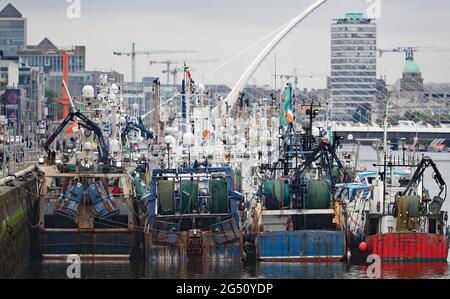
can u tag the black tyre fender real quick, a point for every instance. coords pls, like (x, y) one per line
(249, 248)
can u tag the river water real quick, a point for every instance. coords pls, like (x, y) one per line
(263, 270)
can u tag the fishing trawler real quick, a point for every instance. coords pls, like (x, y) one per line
(193, 213)
(391, 213)
(87, 201)
(295, 217)
(396, 218)
(193, 198)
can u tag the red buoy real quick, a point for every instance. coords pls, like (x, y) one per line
(362, 246)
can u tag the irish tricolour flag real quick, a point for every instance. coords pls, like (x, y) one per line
(286, 114)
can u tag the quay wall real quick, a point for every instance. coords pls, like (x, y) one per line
(16, 220)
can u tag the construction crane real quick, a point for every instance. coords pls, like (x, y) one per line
(296, 77)
(174, 72)
(409, 51)
(133, 54)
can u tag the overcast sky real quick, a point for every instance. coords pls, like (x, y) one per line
(222, 28)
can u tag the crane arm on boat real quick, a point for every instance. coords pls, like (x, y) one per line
(103, 148)
(322, 149)
(58, 130)
(138, 127)
(423, 165)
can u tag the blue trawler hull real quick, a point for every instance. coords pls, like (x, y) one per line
(88, 243)
(301, 245)
(182, 250)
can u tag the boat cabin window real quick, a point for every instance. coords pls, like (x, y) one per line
(403, 182)
(432, 226)
(373, 226)
(319, 222)
(391, 208)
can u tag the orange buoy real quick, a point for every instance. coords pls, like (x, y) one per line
(362, 246)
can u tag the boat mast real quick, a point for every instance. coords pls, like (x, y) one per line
(385, 147)
(386, 151)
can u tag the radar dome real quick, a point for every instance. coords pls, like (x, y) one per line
(188, 139)
(316, 132)
(171, 131)
(169, 140)
(103, 79)
(88, 92)
(306, 125)
(114, 89)
(201, 87)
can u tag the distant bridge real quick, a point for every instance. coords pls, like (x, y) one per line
(426, 134)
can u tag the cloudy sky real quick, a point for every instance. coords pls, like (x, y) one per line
(220, 29)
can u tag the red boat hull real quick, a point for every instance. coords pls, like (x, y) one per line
(409, 246)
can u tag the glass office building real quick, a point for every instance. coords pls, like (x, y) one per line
(13, 31)
(353, 68)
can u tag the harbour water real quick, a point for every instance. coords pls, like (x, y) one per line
(262, 270)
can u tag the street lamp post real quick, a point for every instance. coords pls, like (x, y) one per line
(189, 140)
(168, 155)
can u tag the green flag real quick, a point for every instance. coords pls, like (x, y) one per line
(286, 106)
